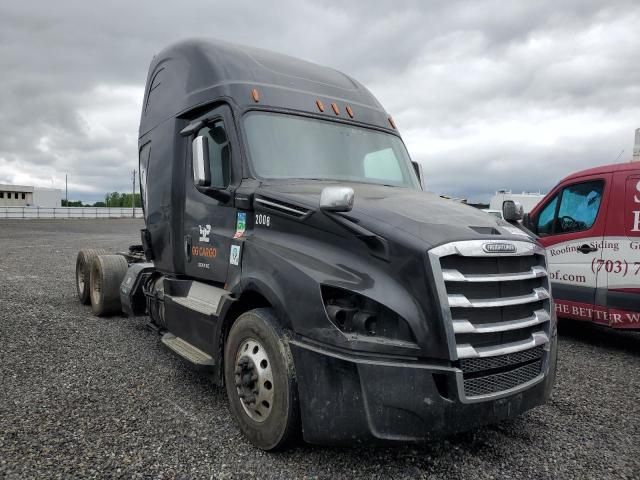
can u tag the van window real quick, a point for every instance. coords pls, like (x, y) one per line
(579, 206)
(219, 153)
(546, 217)
(578, 210)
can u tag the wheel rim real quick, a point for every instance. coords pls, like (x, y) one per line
(254, 380)
(81, 280)
(96, 287)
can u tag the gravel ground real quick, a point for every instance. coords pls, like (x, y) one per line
(85, 397)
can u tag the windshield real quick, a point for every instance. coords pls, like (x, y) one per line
(287, 146)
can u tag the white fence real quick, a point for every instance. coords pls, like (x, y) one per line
(69, 212)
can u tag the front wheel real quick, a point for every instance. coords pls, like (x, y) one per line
(260, 380)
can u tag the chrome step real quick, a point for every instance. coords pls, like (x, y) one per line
(201, 297)
(187, 351)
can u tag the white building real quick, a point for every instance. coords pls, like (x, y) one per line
(528, 200)
(26, 196)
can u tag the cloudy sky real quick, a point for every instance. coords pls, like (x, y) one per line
(487, 94)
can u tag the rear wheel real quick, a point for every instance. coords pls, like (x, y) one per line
(83, 272)
(260, 380)
(107, 273)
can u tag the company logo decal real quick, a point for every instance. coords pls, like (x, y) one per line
(499, 248)
(204, 233)
(635, 223)
(208, 252)
(234, 256)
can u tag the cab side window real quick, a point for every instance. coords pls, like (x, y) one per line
(578, 209)
(219, 153)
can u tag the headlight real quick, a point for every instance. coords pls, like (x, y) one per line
(356, 314)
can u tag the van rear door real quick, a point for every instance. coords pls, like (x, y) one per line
(571, 224)
(622, 263)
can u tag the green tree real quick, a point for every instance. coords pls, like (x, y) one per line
(116, 199)
(71, 203)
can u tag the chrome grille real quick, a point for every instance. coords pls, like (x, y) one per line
(499, 382)
(496, 307)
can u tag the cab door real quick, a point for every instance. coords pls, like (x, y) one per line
(621, 263)
(209, 223)
(571, 224)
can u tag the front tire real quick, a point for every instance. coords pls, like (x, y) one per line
(260, 380)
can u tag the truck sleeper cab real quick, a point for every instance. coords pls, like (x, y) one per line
(291, 249)
(590, 225)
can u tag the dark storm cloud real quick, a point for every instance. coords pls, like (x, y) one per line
(483, 91)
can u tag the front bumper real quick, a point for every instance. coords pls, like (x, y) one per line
(347, 399)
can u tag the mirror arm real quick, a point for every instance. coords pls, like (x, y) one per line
(219, 194)
(192, 128)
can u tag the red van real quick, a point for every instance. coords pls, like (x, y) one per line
(590, 225)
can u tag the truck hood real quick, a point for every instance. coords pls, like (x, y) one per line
(382, 209)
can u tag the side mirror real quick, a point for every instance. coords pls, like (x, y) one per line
(336, 199)
(200, 162)
(418, 168)
(512, 211)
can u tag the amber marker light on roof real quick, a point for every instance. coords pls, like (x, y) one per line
(392, 123)
(349, 111)
(320, 105)
(255, 95)
(336, 110)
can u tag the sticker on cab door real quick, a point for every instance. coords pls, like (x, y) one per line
(234, 255)
(241, 224)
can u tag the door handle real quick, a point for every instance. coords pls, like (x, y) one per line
(587, 249)
(187, 247)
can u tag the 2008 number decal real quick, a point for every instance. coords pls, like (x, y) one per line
(262, 219)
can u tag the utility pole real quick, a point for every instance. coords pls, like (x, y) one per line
(133, 194)
(66, 190)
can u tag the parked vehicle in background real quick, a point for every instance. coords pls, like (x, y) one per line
(590, 224)
(528, 200)
(291, 250)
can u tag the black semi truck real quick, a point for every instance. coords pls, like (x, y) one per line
(289, 249)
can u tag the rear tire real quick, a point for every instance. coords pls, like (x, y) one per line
(260, 381)
(83, 272)
(107, 273)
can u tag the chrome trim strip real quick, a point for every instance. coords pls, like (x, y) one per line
(465, 326)
(281, 207)
(452, 275)
(473, 248)
(466, 350)
(460, 300)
